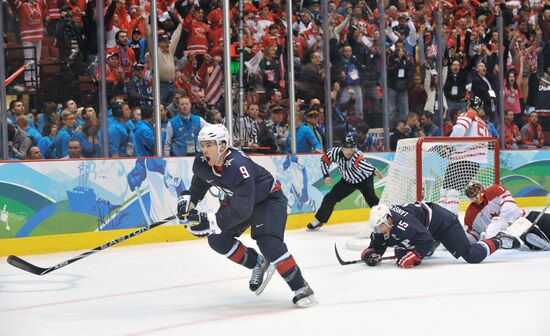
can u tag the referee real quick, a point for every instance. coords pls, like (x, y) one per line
(357, 173)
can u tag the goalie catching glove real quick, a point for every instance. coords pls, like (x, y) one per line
(407, 259)
(202, 224)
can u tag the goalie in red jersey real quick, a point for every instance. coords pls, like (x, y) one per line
(494, 209)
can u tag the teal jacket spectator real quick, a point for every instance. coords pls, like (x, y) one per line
(117, 130)
(119, 136)
(47, 142)
(88, 148)
(181, 135)
(182, 131)
(64, 134)
(144, 139)
(306, 141)
(144, 134)
(62, 142)
(34, 134)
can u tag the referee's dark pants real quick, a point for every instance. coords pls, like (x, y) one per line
(343, 189)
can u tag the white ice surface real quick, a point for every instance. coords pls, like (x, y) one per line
(185, 288)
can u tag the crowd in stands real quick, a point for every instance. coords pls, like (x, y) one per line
(190, 45)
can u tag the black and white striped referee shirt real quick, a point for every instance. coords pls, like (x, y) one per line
(354, 170)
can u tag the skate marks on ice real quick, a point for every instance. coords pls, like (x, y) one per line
(184, 288)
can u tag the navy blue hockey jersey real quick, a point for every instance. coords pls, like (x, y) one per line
(408, 232)
(241, 179)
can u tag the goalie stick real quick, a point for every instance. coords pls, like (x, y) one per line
(351, 262)
(543, 211)
(27, 266)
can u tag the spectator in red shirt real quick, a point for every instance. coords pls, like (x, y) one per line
(531, 133)
(511, 131)
(126, 55)
(113, 75)
(273, 38)
(30, 15)
(197, 30)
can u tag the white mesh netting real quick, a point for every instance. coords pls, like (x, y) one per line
(445, 164)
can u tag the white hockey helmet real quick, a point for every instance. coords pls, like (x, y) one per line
(379, 216)
(473, 190)
(214, 132)
(173, 172)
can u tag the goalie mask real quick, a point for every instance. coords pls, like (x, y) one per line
(473, 190)
(378, 217)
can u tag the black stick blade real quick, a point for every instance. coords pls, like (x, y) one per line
(26, 266)
(342, 262)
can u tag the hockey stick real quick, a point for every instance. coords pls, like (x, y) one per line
(541, 213)
(351, 262)
(26, 266)
(535, 222)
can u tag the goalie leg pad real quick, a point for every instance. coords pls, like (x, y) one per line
(519, 227)
(535, 239)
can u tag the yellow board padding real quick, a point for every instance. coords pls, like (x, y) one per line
(170, 233)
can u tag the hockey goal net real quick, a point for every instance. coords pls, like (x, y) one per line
(429, 168)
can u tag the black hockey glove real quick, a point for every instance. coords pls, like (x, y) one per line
(370, 257)
(184, 205)
(202, 224)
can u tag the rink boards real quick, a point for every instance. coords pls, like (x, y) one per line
(60, 205)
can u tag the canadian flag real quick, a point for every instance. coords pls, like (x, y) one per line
(214, 86)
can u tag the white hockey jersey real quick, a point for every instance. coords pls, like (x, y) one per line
(497, 210)
(469, 124)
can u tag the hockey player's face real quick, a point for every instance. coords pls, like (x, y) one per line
(384, 228)
(474, 194)
(209, 151)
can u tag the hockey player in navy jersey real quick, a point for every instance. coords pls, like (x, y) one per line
(254, 200)
(357, 174)
(413, 228)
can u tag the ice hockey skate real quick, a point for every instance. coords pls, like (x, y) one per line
(314, 225)
(304, 297)
(261, 274)
(508, 242)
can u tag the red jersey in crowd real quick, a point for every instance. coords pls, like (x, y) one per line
(126, 59)
(53, 10)
(31, 16)
(197, 40)
(511, 132)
